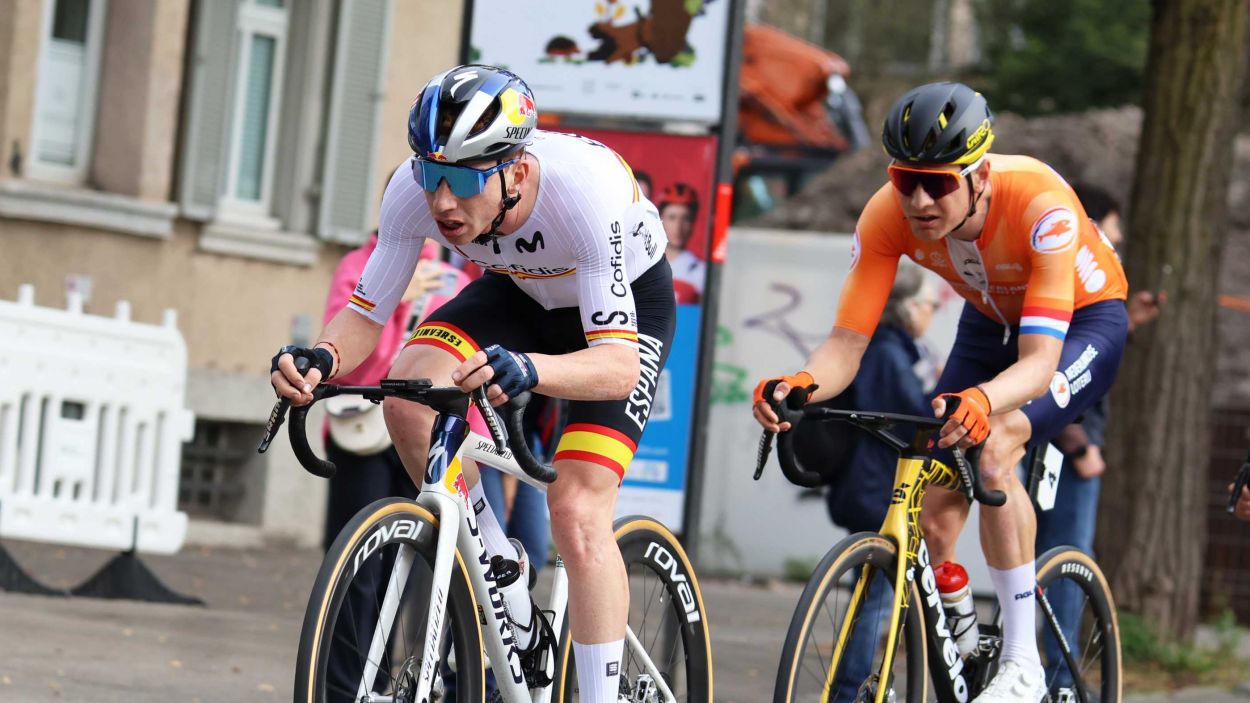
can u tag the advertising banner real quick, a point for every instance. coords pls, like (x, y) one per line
(676, 173)
(647, 59)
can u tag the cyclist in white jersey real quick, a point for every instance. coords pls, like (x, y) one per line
(576, 303)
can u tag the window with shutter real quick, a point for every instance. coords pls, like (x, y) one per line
(262, 28)
(65, 100)
(361, 47)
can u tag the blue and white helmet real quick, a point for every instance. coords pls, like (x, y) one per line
(472, 113)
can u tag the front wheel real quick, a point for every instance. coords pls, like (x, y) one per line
(353, 649)
(666, 618)
(839, 637)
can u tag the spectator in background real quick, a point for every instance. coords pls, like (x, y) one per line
(858, 495)
(357, 441)
(369, 467)
(1073, 518)
(1243, 504)
(679, 207)
(644, 183)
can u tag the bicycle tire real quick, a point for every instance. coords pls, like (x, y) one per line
(332, 633)
(798, 681)
(659, 573)
(1099, 625)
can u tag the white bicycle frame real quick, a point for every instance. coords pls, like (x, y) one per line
(445, 494)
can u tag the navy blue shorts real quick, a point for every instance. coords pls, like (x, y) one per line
(1087, 366)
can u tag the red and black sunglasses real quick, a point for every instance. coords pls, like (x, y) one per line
(938, 183)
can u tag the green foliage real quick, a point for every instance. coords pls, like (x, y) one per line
(798, 570)
(1182, 663)
(1044, 56)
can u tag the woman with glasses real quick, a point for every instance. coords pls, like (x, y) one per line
(576, 303)
(1039, 340)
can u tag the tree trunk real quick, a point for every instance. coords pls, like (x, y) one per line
(1153, 533)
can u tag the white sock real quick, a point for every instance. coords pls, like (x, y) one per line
(1016, 597)
(599, 670)
(493, 536)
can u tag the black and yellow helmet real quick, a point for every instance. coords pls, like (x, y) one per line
(938, 123)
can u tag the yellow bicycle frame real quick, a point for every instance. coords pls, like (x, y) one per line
(902, 527)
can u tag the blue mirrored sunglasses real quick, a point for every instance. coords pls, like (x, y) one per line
(464, 181)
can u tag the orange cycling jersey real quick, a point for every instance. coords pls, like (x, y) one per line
(1038, 258)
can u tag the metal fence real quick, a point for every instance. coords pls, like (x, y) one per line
(1226, 576)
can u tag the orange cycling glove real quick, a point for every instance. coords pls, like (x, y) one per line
(801, 379)
(973, 412)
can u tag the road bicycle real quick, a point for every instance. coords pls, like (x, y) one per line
(871, 616)
(437, 622)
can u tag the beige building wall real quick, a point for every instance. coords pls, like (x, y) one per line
(413, 61)
(141, 68)
(20, 24)
(234, 312)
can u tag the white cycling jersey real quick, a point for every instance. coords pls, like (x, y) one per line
(591, 233)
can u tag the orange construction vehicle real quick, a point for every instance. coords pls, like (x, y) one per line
(796, 114)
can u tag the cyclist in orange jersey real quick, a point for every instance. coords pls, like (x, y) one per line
(1039, 340)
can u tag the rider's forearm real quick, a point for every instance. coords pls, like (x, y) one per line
(1026, 379)
(601, 372)
(350, 337)
(835, 362)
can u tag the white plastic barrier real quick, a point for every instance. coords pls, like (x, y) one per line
(91, 427)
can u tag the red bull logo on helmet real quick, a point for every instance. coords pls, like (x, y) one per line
(517, 106)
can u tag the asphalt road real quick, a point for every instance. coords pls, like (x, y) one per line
(240, 646)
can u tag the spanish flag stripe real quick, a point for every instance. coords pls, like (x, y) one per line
(605, 431)
(445, 336)
(609, 448)
(609, 334)
(361, 302)
(593, 458)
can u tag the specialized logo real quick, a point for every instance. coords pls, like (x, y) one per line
(1092, 277)
(460, 80)
(1054, 231)
(517, 133)
(665, 560)
(1060, 390)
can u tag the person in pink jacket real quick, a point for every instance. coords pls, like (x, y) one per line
(367, 470)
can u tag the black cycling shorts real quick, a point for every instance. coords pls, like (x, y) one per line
(493, 310)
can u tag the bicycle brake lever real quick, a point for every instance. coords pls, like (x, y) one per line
(766, 448)
(278, 414)
(497, 431)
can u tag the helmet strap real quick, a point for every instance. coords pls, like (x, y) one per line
(972, 206)
(507, 202)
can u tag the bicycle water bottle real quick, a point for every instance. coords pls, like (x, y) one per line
(516, 598)
(961, 612)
